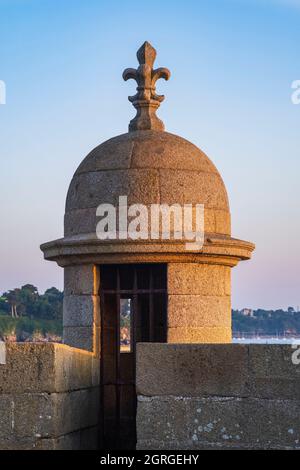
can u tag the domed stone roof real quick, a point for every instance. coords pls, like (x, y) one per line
(149, 167)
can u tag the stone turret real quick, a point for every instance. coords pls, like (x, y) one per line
(148, 166)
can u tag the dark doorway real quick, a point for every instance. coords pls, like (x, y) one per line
(133, 309)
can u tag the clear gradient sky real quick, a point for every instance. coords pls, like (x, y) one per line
(232, 65)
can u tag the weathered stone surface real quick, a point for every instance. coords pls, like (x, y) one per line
(85, 439)
(80, 221)
(51, 415)
(199, 279)
(99, 187)
(192, 370)
(167, 151)
(81, 337)
(81, 310)
(152, 444)
(34, 415)
(114, 154)
(77, 410)
(193, 311)
(217, 397)
(216, 422)
(146, 149)
(19, 444)
(222, 221)
(187, 187)
(270, 360)
(81, 280)
(272, 372)
(148, 167)
(156, 418)
(47, 367)
(75, 369)
(6, 416)
(27, 418)
(49, 391)
(33, 362)
(204, 335)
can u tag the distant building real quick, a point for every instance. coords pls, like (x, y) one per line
(247, 312)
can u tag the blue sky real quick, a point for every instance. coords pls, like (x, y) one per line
(232, 65)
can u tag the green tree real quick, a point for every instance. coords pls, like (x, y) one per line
(4, 305)
(14, 300)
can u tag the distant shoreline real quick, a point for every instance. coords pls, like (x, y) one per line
(266, 340)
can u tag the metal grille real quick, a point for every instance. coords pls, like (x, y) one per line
(146, 287)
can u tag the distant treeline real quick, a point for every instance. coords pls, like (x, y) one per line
(26, 315)
(266, 323)
(27, 302)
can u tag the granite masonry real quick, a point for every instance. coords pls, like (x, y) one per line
(217, 397)
(149, 166)
(49, 398)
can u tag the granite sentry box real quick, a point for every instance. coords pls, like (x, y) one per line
(148, 166)
(147, 250)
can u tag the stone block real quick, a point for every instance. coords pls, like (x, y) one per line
(74, 369)
(81, 310)
(192, 370)
(52, 415)
(193, 311)
(217, 422)
(77, 410)
(235, 421)
(222, 222)
(81, 280)
(167, 150)
(187, 187)
(34, 415)
(114, 153)
(79, 221)
(273, 373)
(203, 335)
(209, 220)
(47, 367)
(273, 360)
(199, 279)
(81, 337)
(155, 417)
(88, 190)
(29, 367)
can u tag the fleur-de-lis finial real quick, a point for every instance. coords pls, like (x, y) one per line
(146, 101)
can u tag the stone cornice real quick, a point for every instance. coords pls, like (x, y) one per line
(86, 248)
